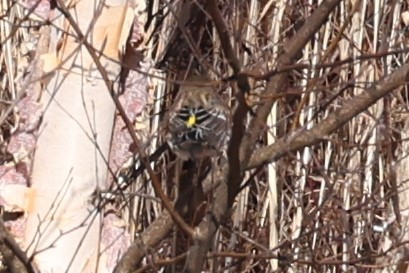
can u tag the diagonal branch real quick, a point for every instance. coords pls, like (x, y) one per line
(335, 120)
(292, 48)
(14, 258)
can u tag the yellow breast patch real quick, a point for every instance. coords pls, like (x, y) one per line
(191, 121)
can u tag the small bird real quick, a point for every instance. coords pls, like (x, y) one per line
(198, 122)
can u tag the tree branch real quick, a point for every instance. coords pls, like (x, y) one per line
(292, 48)
(14, 258)
(335, 120)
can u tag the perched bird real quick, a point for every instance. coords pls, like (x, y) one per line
(198, 122)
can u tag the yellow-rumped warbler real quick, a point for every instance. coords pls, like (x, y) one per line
(198, 122)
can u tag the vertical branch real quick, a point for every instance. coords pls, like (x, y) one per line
(239, 116)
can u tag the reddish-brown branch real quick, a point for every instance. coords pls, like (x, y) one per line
(292, 49)
(335, 120)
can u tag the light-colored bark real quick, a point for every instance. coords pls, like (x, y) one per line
(70, 163)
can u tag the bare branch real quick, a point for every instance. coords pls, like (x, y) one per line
(335, 120)
(14, 258)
